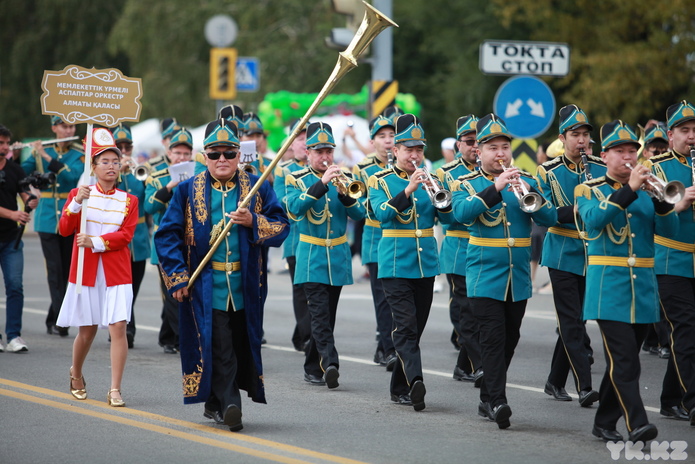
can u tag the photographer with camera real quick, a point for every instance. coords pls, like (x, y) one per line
(56, 168)
(11, 250)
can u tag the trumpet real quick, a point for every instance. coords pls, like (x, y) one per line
(439, 197)
(671, 192)
(250, 168)
(529, 202)
(346, 186)
(140, 171)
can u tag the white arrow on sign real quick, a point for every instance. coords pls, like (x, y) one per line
(536, 108)
(513, 108)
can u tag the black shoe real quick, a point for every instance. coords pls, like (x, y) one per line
(484, 410)
(647, 348)
(331, 377)
(131, 339)
(558, 393)
(461, 375)
(606, 434)
(478, 377)
(644, 433)
(170, 349)
(501, 414)
(232, 418)
(379, 358)
(653, 350)
(675, 412)
(417, 395)
(401, 399)
(664, 352)
(391, 362)
(587, 398)
(62, 331)
(214, 415)
(314, 379)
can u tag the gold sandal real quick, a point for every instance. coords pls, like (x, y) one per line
(114, 402)
(78, 393)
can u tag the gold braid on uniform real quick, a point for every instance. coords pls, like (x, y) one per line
(175, 279)
(616, 236)
(266, 228)
(191, 382)
(189, 237)
(557, 192)
(403, 218)
(201, 209)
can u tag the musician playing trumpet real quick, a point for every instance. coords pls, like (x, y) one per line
(675, 265)
(324, 261)
(408, 261)
(498, 276)
(620, 220)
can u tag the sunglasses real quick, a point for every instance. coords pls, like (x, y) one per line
(469, 142)
(215, 155)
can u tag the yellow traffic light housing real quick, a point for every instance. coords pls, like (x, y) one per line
(223, 73)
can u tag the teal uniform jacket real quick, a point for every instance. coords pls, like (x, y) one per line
(563, 248)
(452, 254)
(68, 166)
(620, 225)
(157, 163)
(371, 234)
(156, 202)
(289, 247)
(675, 256)
(323, 253)
(408, 248)
(499, 250)
(140, 245)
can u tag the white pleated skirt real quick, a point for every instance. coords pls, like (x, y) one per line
(99, 305)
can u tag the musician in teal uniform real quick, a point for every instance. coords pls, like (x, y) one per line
(382, 132)
(140, 245)
(564, 253)
(302, 327)
(159, 190)
(408, 254)
(498, 277)
(675, 264)
(251, 130)
(324, 262)
(167, 127)
(60, 165)
(452, 258)
(620, 220)
(222, 314)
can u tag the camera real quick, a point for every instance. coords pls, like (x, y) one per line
(39, 180)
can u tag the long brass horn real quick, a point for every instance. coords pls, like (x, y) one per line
(373, 23)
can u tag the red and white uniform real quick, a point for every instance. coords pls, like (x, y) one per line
(107, 293)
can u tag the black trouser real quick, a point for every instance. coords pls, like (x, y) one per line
(570, 349)
(499, 323)
(302, 327)
(466, 327)
(410, 301)
(229, 337)
(384, 320)
(57, 252)
(678, 303)
(169, 331)
(322, 301)
(138, 270)
(619, 392)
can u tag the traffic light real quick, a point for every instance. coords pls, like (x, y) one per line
(341, 36)
(223, 73)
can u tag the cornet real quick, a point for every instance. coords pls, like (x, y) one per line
(352, 188)
(529, 202)
(140, 171)
(440, 198)
(671, 192)
(248, 167)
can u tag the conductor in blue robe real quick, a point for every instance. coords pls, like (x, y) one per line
(221, 316)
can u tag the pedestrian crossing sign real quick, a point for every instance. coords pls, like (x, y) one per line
(248, 74)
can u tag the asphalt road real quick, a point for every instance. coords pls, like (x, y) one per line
(42, 423)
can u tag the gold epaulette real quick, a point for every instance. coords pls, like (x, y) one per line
(525, 174)
(552, 163)
(373, 181)
(595, 159)
(450, 165)
(542, 173)
(661, 157)
(585, 188)
(301, 173)
(365, 163)
(470, 175)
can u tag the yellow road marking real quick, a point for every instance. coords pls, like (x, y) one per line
(73, 407)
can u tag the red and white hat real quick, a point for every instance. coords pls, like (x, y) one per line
(102, 140)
